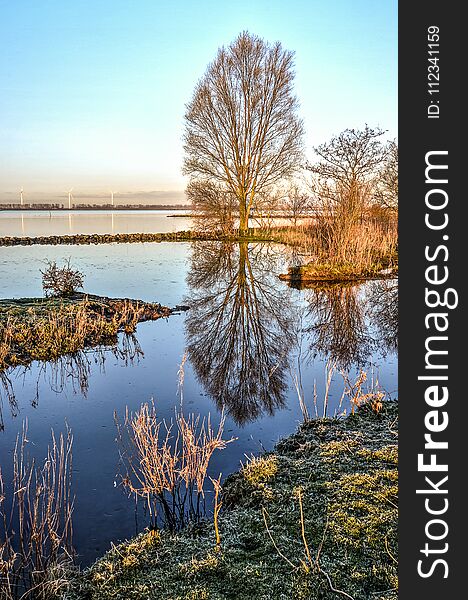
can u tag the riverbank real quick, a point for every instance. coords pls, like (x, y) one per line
(47, 328)
(340, 475)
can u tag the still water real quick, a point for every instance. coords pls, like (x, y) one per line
(246, 339)
(34, 223)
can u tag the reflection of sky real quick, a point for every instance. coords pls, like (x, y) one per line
(93, 93)
(42, 223)
(151, 272)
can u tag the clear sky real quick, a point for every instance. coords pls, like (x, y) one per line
(93, 91)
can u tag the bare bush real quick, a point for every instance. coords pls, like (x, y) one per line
(346, 180)
(213, 206)
(36, 522)
(166, 464)
(61, 281)
(387, 185)
(296, 203)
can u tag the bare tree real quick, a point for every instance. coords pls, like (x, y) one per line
(387, 186)
(242, 130)
(347, 169)
(350, 158)
(344, 182)
(296, 203)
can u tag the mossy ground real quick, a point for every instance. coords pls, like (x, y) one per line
(345, 473)
(47, 328)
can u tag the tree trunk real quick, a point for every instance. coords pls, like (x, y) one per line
(243, 217)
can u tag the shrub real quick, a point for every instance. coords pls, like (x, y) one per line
(61, 281)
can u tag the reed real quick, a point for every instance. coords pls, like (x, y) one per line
(358, 392)
(166, 464)
(372, 396)
(217, 508)
(366, 245)
(36, 522)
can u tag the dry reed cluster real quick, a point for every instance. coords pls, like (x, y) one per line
(354, 392)
(166, 464)
(366, 245)
(36, 522)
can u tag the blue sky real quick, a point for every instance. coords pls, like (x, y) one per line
(93, 92)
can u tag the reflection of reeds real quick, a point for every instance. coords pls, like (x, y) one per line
(167, 463)
(71, 371)
(36, 526)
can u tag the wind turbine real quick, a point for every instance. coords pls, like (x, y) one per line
(70, 196)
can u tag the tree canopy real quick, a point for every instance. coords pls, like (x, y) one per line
(242, 130)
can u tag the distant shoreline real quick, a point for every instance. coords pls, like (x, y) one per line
(183, 210)
(107, 207)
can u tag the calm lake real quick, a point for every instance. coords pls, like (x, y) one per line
(247, 338)
(32, 223)
(35, 223)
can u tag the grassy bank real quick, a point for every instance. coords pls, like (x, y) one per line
(47, 328)
(366, 250)
(340, 475)
(335, 273)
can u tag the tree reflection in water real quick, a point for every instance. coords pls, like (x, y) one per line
(337, 326)
(70, 371)
(240, 327)
(348, 322)
(382, 309)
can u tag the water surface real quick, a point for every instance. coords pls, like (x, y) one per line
(36, 223)
(246, 338)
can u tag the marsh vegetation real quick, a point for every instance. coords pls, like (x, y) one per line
(36, 550)
(316, 518)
